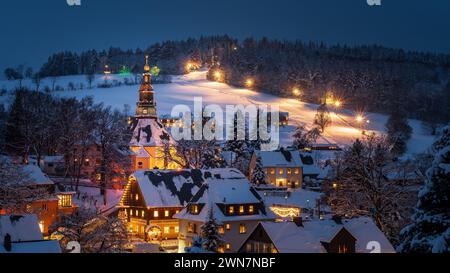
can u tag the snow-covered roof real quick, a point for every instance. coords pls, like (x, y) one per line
(280, 158)
(290, 238)
(20, 228)
(218, 191)
(34, 247)
(310, 167)
(166, 188)
(53, 159)
(35, 175)
(149, 132)
(299, 198)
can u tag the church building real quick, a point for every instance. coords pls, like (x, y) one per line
(150, 139)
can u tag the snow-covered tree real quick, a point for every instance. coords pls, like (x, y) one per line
(304, 138)
(322, 118)
(258, 174)
(430, 231)
(363, 186)
(94, 232)
(196, 247)
(399, 132)
(212, 240)
(16, 187)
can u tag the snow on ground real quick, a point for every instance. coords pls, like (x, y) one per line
(184, 88)
(90, 198)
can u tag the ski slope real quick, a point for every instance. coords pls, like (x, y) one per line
(343, 131)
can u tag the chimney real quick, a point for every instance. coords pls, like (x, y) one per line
(298, 221)
(7, 243)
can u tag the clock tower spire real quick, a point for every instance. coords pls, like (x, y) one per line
(146, 106)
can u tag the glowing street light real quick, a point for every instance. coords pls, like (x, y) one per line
(296, 91)
(217, 75)
(249, 82)
(359, 118)
(337, 104)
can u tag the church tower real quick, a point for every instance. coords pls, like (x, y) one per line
(146, 106)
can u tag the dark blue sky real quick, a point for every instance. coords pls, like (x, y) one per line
(32, 30)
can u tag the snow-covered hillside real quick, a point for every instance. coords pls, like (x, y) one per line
(183, 89)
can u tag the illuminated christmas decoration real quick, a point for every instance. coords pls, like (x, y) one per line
(285, 212)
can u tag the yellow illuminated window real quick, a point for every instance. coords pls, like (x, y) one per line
(195, 209)
(296, 171)
(177, 229)
(227, 226)
(251, 209)
(65, 200)
(288, 171)
(220, 249)
(230, 209)
(272, 171)
(241, 209)
(280, 171)
(136, 197)
(155, 214)
(242, 229)
(131, 212)
(228, 246)
(137, 213)
(166, 230)
(166, 213)
(221, 230)
(142, 213)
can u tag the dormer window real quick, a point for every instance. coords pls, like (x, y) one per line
(194, 209)
(241, 209)
(272, 171)
(231, 209)
(280, 171)
(251, 209)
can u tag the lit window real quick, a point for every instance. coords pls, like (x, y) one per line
(296, 171)
(241, 209)
(137, 213)
(288, 171)
(272, 171)
(166, 213)
(177, 229)
(142, 213)
(65, 200)
(220, 249)
(177, 211)
(155, 214)
(280, 171)
(227, 226)
(131, 212)
(166, 230)
(195, 209)
(251, 209)
(231, 210)
(136, 197)
(41, 226)
(242, 229)
(227, 246)
(221, 230)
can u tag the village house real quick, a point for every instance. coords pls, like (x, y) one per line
(21, 234)
(283, 168)
(234, 203)
(151, 199)
(317, 236)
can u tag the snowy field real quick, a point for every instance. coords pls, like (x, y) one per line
(183, 89)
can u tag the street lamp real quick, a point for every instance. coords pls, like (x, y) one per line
(249, 82)
(296, 91)
(359, 118)
(337, 104)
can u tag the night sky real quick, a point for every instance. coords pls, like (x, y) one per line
(32, 30)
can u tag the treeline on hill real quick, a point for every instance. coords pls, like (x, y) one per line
(365, 78)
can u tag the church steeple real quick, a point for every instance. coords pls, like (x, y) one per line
(146, 106)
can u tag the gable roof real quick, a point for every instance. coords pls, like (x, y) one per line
(290, 238)
(149, 132)
(20, 228)
(280, 158)
(168, 188)
(36, 175)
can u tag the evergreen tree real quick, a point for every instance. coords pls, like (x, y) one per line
(322, 118)
(258, 174)
(197, 246)
(212, 240)
(399, 132)
(430, 231)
